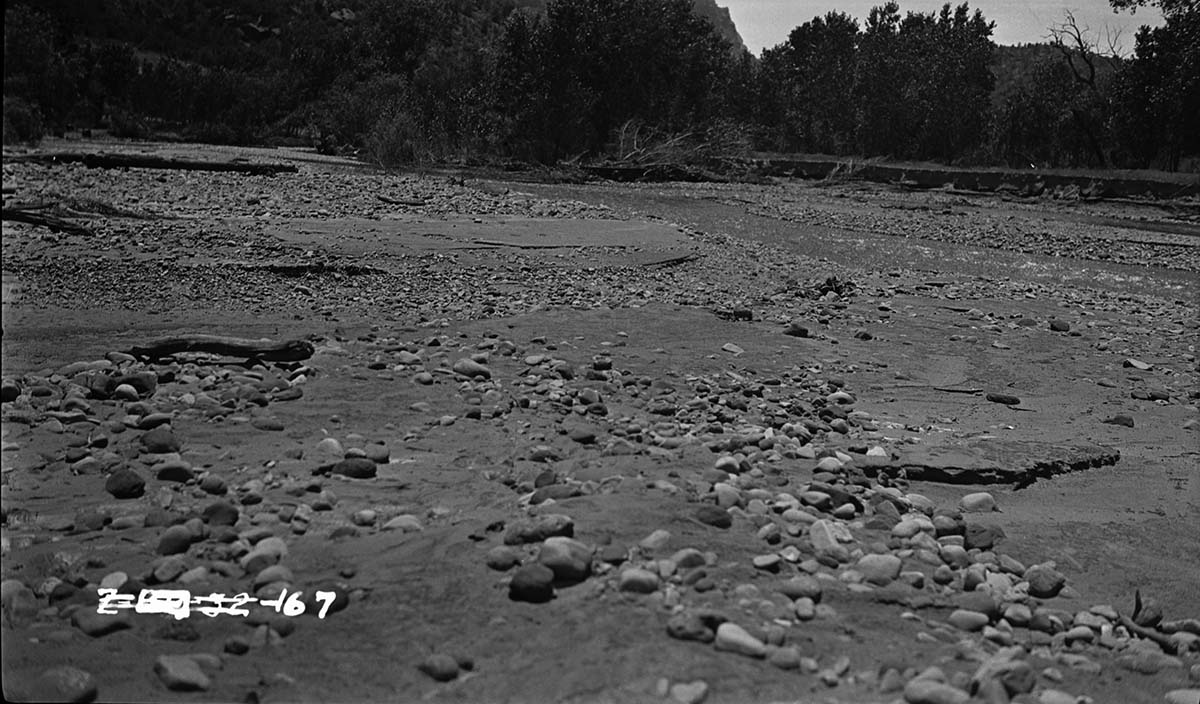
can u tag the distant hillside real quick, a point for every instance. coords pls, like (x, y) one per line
(717, 16)
(720, 19)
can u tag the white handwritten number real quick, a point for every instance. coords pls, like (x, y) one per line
(328, 598)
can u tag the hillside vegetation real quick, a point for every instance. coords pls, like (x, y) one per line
(633, 80)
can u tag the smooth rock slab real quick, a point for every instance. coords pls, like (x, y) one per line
(996, 461)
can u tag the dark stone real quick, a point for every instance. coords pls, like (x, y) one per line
(161, 517)
(982, 602)
(442, 668)
(614, 554)
(1045, 582)
(532, 583)
(175, 540)
(213, 484)
(125, 484)
(175, 471)
(341, 600)
(557, 492)
(159, 441)
(87, 521)
(62, 591)
(1019, 679)
(9, 391)
(1059, 325)
(982, 536)
(143, 382)
(795, 329)
(1006, 399)
(714, 516)
(182, 631)
(583, 436)
(220, 513)
(689, 626)
(96, 624)
(355, 468)
(1120, 419)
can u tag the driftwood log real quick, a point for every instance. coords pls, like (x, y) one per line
(267, 350)
(145, 161)
(53, 223)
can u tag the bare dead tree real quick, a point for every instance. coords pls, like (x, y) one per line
(1080, 48)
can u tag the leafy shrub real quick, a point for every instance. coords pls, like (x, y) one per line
(126, 124)
(22, 122)
(395, 140)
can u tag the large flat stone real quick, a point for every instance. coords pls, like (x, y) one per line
(995, 461)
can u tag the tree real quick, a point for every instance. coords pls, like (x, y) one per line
(591, 66)
(804, 84)
(923, 83)
(1092, 68)
(1157, 102)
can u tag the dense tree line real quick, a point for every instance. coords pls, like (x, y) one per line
(406, 80)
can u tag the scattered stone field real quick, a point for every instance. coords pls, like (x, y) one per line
(529, 442)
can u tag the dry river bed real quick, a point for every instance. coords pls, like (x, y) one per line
(788, 442)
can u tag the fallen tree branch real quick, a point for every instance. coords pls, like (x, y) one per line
(399, 201)
(145, 161)
(267, 350)
(518, 245)
(55, 224)
(673, 261)
(1168, 646)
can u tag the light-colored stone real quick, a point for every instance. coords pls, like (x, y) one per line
(930, 691)
(181, 673)
(733, 638)
(638, 581)
(977, 502)
(879, 569)
(689, 692)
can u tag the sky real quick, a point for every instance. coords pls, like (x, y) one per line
(765, 23)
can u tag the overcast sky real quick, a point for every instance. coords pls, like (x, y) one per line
(765, 23)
